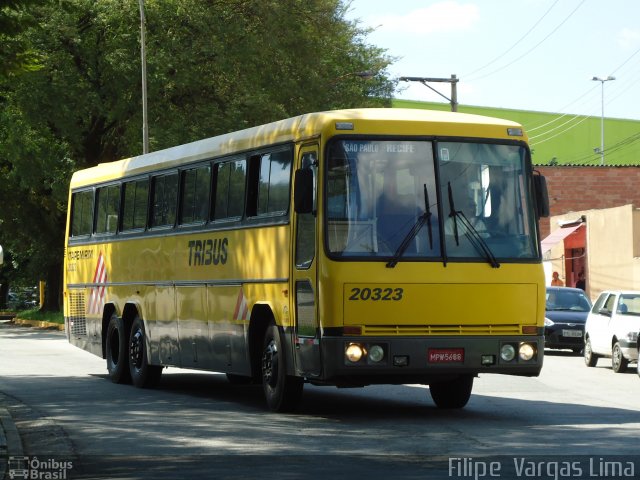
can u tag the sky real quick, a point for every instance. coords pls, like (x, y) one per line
(538, 55)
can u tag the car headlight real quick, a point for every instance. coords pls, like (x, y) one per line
(548, 322)
(632, 336)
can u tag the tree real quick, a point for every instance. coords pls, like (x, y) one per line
(213, 67)
(15, 54)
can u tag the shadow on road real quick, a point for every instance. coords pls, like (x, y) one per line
(196, 424)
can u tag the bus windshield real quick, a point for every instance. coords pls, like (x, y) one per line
(427, 200)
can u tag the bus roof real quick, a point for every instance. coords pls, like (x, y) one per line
(307, 126)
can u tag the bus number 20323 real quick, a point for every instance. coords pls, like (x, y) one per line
(376, 294)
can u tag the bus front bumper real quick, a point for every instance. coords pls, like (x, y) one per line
(379, 360)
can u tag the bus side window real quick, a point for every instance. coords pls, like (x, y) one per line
(108, 206)
(135, 203)
(269, 184)
(229, 184)
(164, 200)
(195, 195)
(82, 215)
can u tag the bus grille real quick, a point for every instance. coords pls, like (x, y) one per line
(415, 330)
(77, 317)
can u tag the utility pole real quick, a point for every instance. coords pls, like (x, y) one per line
(145, 122)
(426, 80)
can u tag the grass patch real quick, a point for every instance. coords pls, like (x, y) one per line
(35, 314)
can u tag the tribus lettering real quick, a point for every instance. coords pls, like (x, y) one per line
(208, 252)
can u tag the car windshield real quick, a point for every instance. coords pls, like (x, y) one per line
(383, 201)
(575, 301)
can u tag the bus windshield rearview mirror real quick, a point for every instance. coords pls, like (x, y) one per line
(541, 195)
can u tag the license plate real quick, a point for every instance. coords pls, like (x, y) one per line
(445, 355)
(572, 333)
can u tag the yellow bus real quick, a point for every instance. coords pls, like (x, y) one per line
(345, 248)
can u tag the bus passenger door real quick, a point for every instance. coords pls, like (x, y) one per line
(306, 335)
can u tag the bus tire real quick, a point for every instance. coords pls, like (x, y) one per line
(453, 393)
(143, 375)
(116, 351)
(282, 392)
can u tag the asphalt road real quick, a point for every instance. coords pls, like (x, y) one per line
(197, 425)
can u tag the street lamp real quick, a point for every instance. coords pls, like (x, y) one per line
(425, 81)
(602, 80)
(143, 58)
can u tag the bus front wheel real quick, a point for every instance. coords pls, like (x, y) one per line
(281, 391)
(452, 393)
(116, 351)
(143, 375)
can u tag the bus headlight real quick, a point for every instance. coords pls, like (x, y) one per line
(376, 353)
(526, 352)
(354, 352)
(507, 352)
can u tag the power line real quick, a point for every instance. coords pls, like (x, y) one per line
(562, 109)
(625, 62)
(534, 47)
(470, 74)
(559, 126)
(620, 145)
(562, 132)
(611, 98)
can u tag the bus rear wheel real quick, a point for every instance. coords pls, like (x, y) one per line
(143, 375)
(452, 393)
(116, 351)
(282, 392)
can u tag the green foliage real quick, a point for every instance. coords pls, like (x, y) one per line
(15, 54)
(213, 67)
(37, 315)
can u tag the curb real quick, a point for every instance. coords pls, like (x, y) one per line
(38, 324)
(10, 441)
(9, 434)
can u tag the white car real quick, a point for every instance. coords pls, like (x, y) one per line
(612, 329)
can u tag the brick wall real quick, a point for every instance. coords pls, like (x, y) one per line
(585, 188)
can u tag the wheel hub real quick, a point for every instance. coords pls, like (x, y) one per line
(270, 364)
(135, 349)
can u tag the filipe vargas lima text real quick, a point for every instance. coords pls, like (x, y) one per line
(523, 467)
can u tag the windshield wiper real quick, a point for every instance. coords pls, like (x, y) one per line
(422, 219)
(470, 232)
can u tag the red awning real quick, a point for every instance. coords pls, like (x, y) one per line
(557, 236)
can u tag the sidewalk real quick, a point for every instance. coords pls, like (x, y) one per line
(10, 442)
